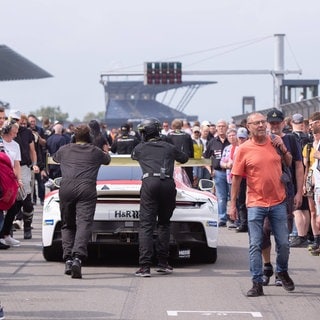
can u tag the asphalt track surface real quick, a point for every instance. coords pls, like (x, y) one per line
(32, 288)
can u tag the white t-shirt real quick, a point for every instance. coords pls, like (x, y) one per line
(12, 149)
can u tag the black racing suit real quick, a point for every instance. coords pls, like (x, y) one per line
(79, 165)
(158, 196)
(124, 144)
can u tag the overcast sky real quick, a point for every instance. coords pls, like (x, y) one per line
(77, 40)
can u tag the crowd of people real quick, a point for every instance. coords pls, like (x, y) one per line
(283, 201)
(28, 143)
(252, 200)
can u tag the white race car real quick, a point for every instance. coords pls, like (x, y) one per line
(194, 224)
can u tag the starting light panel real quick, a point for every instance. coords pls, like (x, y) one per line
(164, 73)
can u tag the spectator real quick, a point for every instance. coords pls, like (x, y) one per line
(40, 147)
(214, 151)
(165, 128)
(29, 165)
(205, 133)
(242, 135)
(12, 149)
(186, 127)
(293, 160)
(198, 172)
(315, 249)
(106, 133)
(183, 142)
(69, 132)
(212, 130)
(124, 143)
(97, 138)
(226, 162)
(301, 214)
(2, 120)
(309, 159)
(55, 141)
(265, 198)
(47, 127)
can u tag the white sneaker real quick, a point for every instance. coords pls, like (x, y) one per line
(11, 241)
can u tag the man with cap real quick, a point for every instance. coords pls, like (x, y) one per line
(124, 143)
(299, 130)
(276, 124)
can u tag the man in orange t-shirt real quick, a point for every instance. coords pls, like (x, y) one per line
(258, 159)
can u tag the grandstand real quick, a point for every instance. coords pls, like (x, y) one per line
(306, 105)
(133, 100)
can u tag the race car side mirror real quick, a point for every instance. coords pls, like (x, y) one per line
(206, 185)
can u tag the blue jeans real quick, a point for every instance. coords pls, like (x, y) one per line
(277, 216)
(222, 191)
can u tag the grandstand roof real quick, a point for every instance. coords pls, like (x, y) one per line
(13, 66)
(128, 87)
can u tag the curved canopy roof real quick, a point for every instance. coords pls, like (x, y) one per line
(13, 66)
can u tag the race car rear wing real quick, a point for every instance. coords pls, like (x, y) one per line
(125, 160)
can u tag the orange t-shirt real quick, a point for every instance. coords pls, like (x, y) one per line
(262, 166)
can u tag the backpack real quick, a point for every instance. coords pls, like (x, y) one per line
(8, 183)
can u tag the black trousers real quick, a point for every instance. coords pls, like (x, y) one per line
(241, 204)
(158, 200)
(77, 205)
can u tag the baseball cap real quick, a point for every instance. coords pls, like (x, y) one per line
(297, 118)
(275, 115)
(242, 133)
(125, 127)
(195, 128)
(205, 123)
(15, 114)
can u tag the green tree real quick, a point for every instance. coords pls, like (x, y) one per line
(53, 113)
(94, 116)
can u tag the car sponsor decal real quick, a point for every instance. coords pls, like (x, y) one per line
(48, 222)
(125, 214)
(212, 223)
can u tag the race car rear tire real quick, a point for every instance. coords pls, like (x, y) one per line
(53, 252)
(204, 254)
